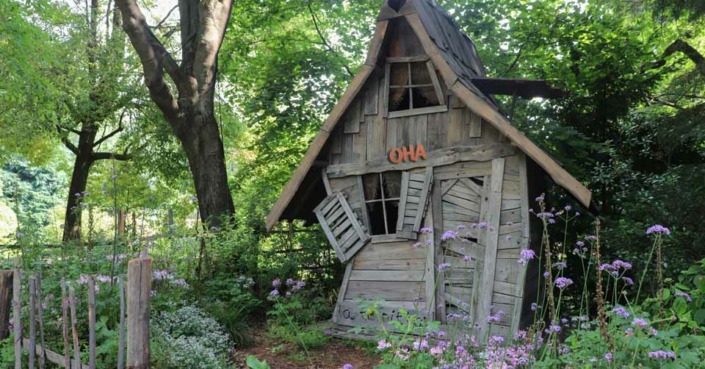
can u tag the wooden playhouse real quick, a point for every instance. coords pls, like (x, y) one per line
(417, 141)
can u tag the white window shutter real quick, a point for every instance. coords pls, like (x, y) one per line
(415, 193)
(342, 227)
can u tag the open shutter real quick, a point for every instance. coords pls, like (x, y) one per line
(342, 227)
(415, 190)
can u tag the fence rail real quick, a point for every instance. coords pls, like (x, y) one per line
(133, 319)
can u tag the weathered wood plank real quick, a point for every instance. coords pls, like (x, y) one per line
(388, 275)
(491, 240)
(390, 264)
(437, 217)
(525, 239)
(403, 199)
(376, 138)
(455, 128)
(475, 126)
(371, 94)
(17, 313)
(389, 291)
(343, 291)
(351, 118)
(391, 139)
(430, 275)
(393, 250)
(435, 158)
(437, 131)
(506, 270)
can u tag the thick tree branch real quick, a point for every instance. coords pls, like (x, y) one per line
(153, 56)
(213, 21)
(685, 48)
(323, 39)
(111, 134)
(111, 155)
(69, 145)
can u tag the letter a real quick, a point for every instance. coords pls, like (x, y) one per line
(420, 152)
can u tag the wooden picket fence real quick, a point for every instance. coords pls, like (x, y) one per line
(134, 319)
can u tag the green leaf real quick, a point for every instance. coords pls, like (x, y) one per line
(254, 363)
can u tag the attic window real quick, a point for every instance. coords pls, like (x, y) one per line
(412, 87)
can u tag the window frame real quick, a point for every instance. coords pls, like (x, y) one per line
(383, 200)
(442, 107)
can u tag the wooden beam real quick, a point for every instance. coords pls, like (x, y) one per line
(52, 356)
(436, 158)
(5, 302)
(491, 241)
(139, 288)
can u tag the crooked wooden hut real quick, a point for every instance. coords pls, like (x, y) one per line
(417, 141)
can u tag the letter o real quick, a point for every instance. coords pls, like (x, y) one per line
(395, 155)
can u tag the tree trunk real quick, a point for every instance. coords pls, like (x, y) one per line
(190, 114)
(206, 157)
(77, 188)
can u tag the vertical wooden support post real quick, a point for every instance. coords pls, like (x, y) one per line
(492, 238)
(17, 314)
(139, 288)
(65, 324)
(91, 322)
(40, 317)
(74, 330)
(438, 257)
(32, 321)
(5, 302)
(121, 337)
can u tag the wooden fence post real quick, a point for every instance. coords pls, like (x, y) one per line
(91, 324)
(17, 314)
(121, 337)
(5, 302)
(32, 321)
(139, 288)
(65, 324)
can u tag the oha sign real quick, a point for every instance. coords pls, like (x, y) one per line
(407, 153)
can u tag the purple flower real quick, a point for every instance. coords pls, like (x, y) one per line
(590, 237)
(653, 331)
(274, 292)
(347, 366)
(443, 266)
(466, 258)
(277, 283)
(289, 282)
(181, 283)
(560, 265)
(496, 317)
(540, 198)
(551, 221)
(608, 357)
(628, 281)
(426, 230)
(621, 264)
(629, 331)
(640, 322)
(535, 306)
(658, 229)
(497, 339)
(553, 328)
(383, 344)
(546, 274)
(103, 278)
(683, 295)
(449, 235)
(608, 267)
(563, 282)
(660, 354)
(327, 332)
(525, 255)
(545, 215)
(299, 285)
(621, 312)
(20, 234)
(567, 207)
(580, 244)
(416, 245)
(194, 198)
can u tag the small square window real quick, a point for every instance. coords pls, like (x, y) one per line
(413, 85)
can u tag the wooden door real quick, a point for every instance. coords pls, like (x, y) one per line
(461, 210)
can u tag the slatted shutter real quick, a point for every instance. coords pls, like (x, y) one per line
(415, 190)
(342, 227)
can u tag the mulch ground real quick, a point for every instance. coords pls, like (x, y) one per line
(334, 355)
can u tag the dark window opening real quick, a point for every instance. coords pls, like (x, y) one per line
(382, 191)
(412, 87)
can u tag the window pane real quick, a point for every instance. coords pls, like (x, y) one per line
(392, 208)
(371, 184)
(398, 99)
(374, 211)
(391, 181)
(424, 97)
(419, 74)
(398, 74)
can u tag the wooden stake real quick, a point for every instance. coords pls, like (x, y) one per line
(74, 330)
(5, 302)
(65, 324)
(121, 342)
(17, 314)
(139, 288)
(91, 322)
(32, 321)
(40, 316)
